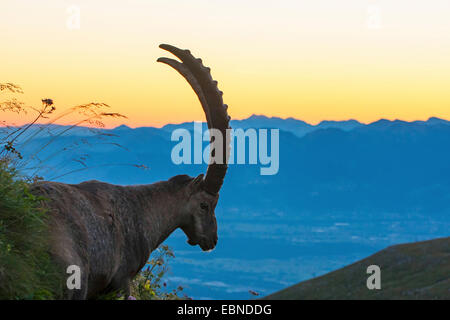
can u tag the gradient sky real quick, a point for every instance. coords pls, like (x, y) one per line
(312, 60)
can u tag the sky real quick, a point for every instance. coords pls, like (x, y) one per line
(311, 60)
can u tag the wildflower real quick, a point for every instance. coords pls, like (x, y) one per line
(147, 285)
(131, 298)
(47, 102)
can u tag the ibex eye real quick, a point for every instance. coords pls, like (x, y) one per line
(204, 206)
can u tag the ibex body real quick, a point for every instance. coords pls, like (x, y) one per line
(109, 231)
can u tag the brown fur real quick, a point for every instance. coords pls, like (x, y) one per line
(109, 231)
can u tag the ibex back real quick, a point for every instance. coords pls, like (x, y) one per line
(109, 231)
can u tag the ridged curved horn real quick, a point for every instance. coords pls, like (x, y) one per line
(199, 77)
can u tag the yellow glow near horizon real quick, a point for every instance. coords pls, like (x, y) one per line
(311, 60)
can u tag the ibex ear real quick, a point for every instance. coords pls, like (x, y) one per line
(196, 184)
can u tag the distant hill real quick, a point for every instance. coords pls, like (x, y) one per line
(418, 270)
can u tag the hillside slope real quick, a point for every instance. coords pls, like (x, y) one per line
(418, 270)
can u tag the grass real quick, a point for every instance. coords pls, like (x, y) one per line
(14, 140)
(418, 270)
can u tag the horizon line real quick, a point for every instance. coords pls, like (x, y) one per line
(241, 119)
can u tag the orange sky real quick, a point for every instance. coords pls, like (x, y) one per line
(311, 60)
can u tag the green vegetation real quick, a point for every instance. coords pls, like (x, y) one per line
(409, 271)
(150, 285)
(26, 270)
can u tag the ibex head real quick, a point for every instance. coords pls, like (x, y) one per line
(202, 192)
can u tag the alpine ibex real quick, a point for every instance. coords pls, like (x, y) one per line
(109, 231)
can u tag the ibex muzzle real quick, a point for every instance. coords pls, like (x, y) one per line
(109, 231)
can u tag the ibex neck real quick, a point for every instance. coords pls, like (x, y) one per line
(162, 211)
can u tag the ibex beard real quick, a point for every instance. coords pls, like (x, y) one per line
(109, 231)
